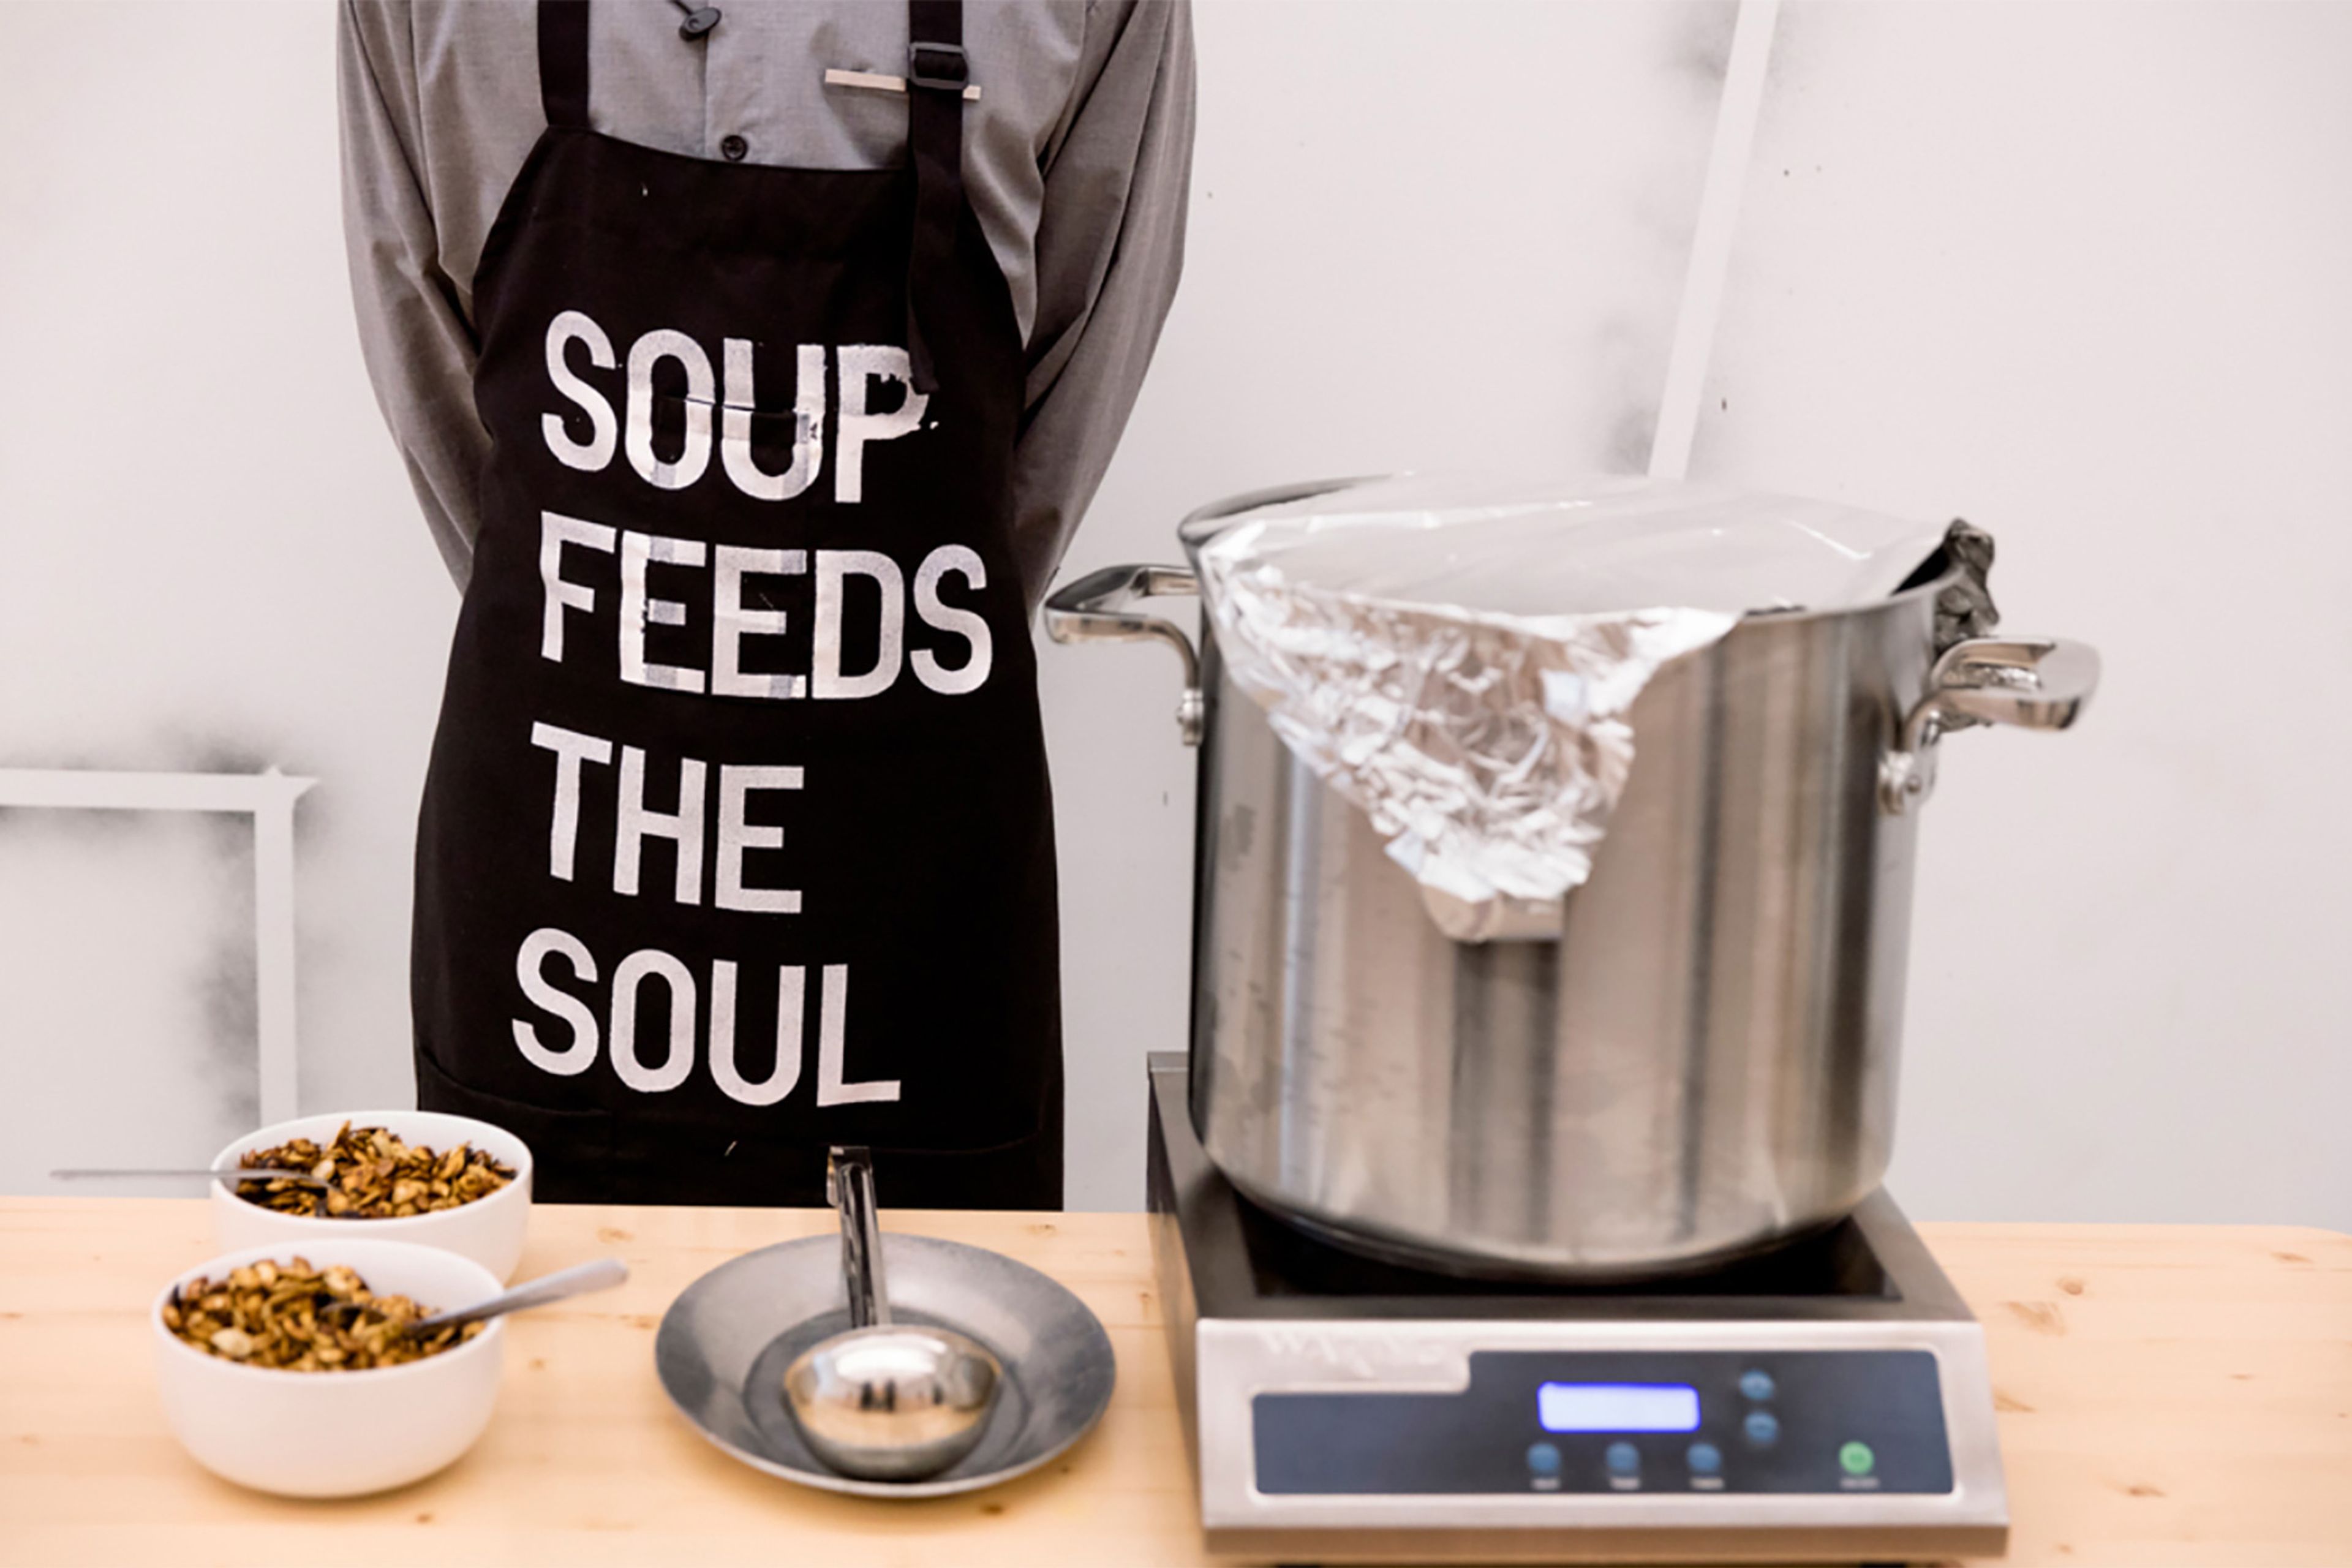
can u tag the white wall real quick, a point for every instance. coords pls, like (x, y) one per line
(1401, 255)
(208, 560)
(2083, 274)
(2074, 272)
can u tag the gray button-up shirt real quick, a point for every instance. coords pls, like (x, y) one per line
(1077, 159)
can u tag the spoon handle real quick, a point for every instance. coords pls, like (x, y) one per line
(849, 1182)
(602, 1275)
(233, 1175)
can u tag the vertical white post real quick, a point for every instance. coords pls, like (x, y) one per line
(1710, 257)
(273, 941)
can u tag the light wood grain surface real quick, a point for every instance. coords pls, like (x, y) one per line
(2169, 1396)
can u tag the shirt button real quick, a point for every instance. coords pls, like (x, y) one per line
(733, 148)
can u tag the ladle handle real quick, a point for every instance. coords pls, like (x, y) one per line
(850, 1182)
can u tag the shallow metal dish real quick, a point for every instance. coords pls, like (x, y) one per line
(726, 1341)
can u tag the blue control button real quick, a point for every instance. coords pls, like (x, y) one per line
(1623, 1459)
(1543, 1459)
(1763, 1428)
(1706, 1459)
(1758, 1384)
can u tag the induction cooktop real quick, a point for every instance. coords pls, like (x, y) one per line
(1826, 1401)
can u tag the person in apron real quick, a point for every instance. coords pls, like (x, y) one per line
(736, 840)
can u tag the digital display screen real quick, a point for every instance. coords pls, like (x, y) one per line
(1617, 1407)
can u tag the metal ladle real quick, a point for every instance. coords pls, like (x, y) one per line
(884, 1401)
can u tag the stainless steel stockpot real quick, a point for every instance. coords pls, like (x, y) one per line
(1699, 1063)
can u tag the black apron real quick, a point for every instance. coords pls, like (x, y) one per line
(737, 840)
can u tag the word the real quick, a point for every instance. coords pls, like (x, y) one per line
(634, 823)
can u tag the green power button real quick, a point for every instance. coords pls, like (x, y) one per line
(1857, 1459)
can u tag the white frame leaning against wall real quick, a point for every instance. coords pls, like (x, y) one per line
(268, 797)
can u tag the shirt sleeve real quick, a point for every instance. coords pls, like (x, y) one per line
(1110, 244)
(420, 350)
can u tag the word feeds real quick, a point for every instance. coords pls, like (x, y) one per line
(731, 618)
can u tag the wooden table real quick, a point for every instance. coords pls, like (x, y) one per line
(2169, 1395)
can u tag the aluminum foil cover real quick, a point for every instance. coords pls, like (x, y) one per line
(1459, 657)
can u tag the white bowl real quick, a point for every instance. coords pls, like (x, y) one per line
(336, 1433)
(488, 1230)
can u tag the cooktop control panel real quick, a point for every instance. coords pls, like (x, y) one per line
(1681, 1421)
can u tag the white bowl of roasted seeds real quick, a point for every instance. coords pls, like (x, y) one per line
(399, 1175)
(289, 1370)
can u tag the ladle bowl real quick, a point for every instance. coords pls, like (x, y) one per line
(884, 1401)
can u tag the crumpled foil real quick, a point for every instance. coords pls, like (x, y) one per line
(1400, 639)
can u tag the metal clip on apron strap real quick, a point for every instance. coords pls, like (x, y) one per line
(936, 74)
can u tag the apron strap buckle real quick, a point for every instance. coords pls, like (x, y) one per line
(943, 67)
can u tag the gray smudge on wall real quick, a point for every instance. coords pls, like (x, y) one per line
(1700, 50)
(225, 1053)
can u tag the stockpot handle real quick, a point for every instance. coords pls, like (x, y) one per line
(2033, 683)
(1096, 608)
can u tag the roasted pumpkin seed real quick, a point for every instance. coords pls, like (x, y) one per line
(274, 1315)
(375, 1176)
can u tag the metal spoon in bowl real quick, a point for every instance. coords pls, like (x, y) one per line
(600, 1275)
(884, 1401)
(236, 1177)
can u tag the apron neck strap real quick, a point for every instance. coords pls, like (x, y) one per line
(564, 62)
(936, 75)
